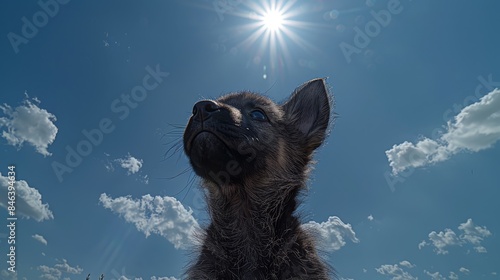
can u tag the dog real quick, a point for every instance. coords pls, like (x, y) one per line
(253, 157)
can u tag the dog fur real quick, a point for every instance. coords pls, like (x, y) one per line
(253, 157)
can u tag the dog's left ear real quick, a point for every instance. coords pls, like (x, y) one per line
(308, 111)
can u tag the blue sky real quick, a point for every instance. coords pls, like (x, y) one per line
(97, 92)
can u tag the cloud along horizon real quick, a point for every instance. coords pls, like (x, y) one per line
(475, 128)
(57, 271)
(396, 271)
(167, 217)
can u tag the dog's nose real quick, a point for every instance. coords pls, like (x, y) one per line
(202, 110)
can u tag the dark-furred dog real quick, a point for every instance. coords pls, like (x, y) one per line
(253, 156)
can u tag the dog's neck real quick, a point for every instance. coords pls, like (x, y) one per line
(252, 220)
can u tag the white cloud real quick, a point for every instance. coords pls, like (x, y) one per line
(56, 272)
(370, 218)
(438, 276)
(130, 163)
(480, 249)
(422, 244)
(40, 239)
(395, 271)
(471, 234)
(444, 239)
(28, 123)
(409, 155)
(464, 270)
(65, 267)
(475, 128)
(165, 216)
(407, 264)
(28, 200)
(7, 275)
(145, 179)
(49, 273)
(332, 233)
(474, 235)
(109, 167)
(435, 275)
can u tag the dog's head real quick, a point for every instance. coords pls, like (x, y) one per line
(246, 139)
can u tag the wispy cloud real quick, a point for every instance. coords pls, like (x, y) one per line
(7, 275)
(464, 270)
(475, 128)
(406, 264)
(40, 239)
(395, 271)
(438, 276)
(131, 164)
(435, 275)
(332, 233)
(65, 267)
(165, 216)
(28, 123)
(28, 200)
(470, 234)
(49, 273)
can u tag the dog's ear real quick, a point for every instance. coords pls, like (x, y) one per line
(308, 111)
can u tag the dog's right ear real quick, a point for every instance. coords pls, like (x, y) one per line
(308, 111)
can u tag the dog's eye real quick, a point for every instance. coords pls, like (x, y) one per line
(258, 115)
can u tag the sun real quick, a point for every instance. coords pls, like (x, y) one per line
(273, 20)
(272, 30)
